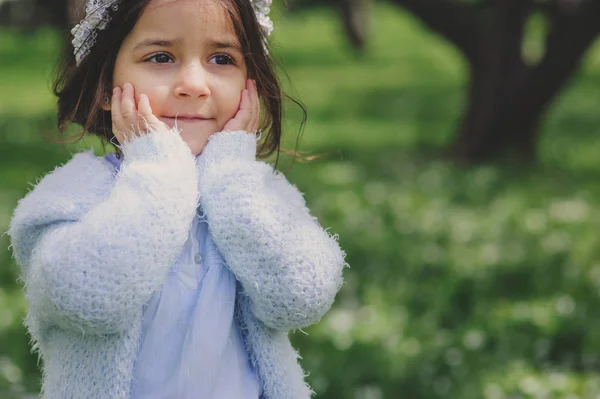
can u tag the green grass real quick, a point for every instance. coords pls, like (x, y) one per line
(465, 282)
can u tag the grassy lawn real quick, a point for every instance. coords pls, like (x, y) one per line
(465, 282)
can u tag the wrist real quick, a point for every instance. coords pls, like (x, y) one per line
(155, 145)
(229, 146)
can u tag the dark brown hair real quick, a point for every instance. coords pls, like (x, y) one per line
(82, 89)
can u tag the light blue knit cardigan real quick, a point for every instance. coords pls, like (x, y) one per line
(94, 245)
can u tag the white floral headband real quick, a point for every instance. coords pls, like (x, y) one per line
(97, 18)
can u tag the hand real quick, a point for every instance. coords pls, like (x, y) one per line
(248, 114)
(129, 120)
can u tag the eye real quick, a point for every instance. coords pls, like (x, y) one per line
(223, 59)
(161, 58)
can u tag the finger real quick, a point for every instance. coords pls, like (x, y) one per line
(255, 108)
(115, 110)
(248, 106)
(246, 103)
(242, 117)
(250, 87)
(146, 114)
(245, 113)
(144, 111)
(128, 108)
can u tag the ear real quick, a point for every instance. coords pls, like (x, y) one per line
(106, 106)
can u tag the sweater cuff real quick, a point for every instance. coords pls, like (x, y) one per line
(156, 145)
(229, 146)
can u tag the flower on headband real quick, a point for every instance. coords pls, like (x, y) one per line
(97, 18)
(262, 8)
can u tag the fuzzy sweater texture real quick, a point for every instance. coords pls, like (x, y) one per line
(94, 245)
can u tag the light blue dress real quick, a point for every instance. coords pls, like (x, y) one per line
(190, 346)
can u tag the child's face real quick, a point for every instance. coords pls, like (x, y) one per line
(201, 72)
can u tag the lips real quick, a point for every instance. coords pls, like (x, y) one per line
(185, 120)
(188, 118)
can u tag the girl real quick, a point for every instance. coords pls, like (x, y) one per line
(175, 268)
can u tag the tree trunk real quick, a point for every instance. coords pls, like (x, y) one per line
(489, 127)
(507, 98)
(356, 18)
(55, 13)
(504, 111)
(28, 15)
(492, 125)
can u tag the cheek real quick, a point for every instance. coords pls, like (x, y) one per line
(157, 96)
(229, 99)
(156, 100)
(122, 72)
(142, 84)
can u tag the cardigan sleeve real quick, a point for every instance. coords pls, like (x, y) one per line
(288, 265)
(92, 271)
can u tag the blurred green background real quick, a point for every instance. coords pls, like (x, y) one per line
(466, 281)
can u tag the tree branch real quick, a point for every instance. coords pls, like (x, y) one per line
(457, 22)
(572, 32)
(506, 28)
(571, 35)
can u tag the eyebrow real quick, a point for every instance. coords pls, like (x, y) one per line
(156, 43)
(225, 44)
(170, 43)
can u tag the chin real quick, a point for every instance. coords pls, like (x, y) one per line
(196, 145)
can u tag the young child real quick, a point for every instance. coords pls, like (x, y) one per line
(175, 268)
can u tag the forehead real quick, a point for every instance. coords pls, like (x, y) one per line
(185, 18)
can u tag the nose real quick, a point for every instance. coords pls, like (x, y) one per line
(192, 82)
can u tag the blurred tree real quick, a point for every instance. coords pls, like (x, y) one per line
(30, 14)
(355, 16)
(507, 95)
(356, 19)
